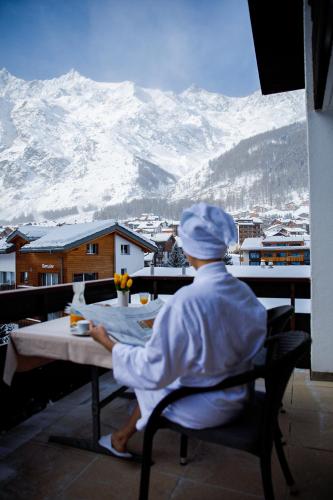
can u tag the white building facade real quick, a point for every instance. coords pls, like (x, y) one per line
(129, 257)
(7, 268)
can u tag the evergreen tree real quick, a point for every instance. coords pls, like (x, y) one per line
(227, 259)
(176, 257)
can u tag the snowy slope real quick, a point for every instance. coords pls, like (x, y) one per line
(73, 142)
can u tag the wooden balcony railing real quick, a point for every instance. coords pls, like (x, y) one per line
(39, 301)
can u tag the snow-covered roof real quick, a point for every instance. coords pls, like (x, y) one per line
(161, 237)
(272, 232)
(256, 244)
(66, 236)
(284, 239)
(165, 271)
(5, 247)
(248, 221)
(154, 224)
(149, 257)
(243, 271)
(251, 243)
(296, 230)
(30, 232)
(301, 210)
(237, 271)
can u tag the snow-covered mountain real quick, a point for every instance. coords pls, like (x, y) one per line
(73, 142)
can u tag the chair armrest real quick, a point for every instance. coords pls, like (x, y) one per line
(183, 392)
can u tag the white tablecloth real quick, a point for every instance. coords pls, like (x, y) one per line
(51, 340)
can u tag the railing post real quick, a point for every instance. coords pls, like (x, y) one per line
(155, 291)
(293, 304)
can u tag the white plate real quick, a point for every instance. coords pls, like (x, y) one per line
(75, 332)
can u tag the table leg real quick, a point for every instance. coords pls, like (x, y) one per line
(96, 406)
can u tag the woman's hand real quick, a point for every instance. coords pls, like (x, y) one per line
(99, 334)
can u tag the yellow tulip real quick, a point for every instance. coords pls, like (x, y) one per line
(123, 283)
(129, 283)
(116, 278)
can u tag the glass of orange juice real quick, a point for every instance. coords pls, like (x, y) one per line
(74, 318)
(144, 297)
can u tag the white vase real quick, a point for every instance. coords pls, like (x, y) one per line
(122, 298)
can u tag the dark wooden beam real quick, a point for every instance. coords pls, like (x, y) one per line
(277, 27)
(322, 42)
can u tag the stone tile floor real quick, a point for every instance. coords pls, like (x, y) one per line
(32, 468)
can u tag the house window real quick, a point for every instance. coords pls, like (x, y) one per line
(124, 249)
(48, 279)
(254, 255)
(24, 277)
(92, 249)
(85, 276)
(123, 270)
(6, 278)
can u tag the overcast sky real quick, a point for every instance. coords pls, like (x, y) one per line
(169, 44)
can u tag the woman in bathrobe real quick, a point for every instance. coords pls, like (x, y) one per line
(206, 332)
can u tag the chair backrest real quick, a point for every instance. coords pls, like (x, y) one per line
(283, 351)
(277, 319)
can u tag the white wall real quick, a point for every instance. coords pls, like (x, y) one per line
(132, 262)
(7, 262)
(246, 258)
(320, 146)
(7, 265)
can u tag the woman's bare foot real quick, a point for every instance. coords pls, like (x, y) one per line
(119, 441)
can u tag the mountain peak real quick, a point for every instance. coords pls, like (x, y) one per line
(5, 75)
(71, 75)
(195, 89)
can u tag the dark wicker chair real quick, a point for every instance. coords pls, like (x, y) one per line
(277, 319)
(257, 429)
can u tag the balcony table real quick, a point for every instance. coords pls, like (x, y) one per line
(42, 343)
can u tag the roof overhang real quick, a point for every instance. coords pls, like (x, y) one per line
(9, 249)
(17, 234)
(322, 42)
(277, 27)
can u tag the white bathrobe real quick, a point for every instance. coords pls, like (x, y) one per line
(206, 332)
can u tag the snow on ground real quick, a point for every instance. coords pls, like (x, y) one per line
(301, 305)
(165, 271)
(238, 271)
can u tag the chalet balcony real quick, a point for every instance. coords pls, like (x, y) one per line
(56, 398)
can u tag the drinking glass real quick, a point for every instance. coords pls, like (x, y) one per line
(144, 297)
